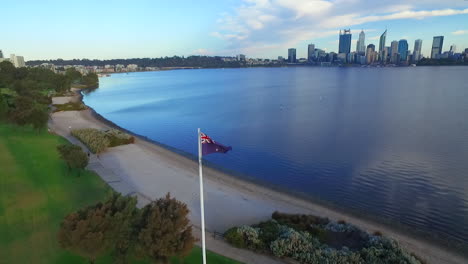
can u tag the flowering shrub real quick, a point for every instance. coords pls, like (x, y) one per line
(244, 237)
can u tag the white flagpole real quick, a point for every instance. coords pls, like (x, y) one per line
(202, 208)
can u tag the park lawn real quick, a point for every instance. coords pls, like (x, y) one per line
(37, 191)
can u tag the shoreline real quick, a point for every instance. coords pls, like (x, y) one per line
(266, 195)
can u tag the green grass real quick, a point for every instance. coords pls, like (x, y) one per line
(36, 192)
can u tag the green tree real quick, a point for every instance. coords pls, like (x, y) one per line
(73, 75)
(95, 230)
(90, 80)
(38, 118)
(21, 113)
(74, 156)
(164, 230)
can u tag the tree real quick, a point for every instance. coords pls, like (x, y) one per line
(73, 74)
(95, 230)
(164, 230)
(90, 80)
(74, 156)
(38, 119)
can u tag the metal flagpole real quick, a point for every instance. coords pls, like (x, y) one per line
(202, 208)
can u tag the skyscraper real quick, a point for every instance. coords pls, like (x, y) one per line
(345, 42)
(370, 53)
(394, 51)
(453, 49)
(417, 50)
(292, 55)
(361, 43)
(403, 49)
(310, 52)
(383, 38)
(437, 44)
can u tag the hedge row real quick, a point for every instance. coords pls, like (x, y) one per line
(98, 140)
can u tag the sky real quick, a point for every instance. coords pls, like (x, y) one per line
(49, 29)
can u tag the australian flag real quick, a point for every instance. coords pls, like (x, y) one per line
(210, 146)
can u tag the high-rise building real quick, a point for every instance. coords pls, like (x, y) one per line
(394, 51)
(311, 52)
(292, 55)
(403, 49)
(18, 61)
(361, 43)
(383, 38)
(370, 53)
(417, 50)
(345, 42)
(437, 44)
(1, 54)
(240, 57)
(453, 49)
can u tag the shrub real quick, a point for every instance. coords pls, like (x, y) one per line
(269, 231)
(300, 222)
(70, 107)
(94, 139)
(117, 138)
(234, 237)
(74, 156)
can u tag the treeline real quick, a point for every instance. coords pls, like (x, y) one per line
(176, 61)
(25, 93)
(441, 62)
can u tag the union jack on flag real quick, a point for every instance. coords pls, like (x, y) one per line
(210, 146)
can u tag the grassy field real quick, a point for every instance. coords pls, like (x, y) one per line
(36, 192)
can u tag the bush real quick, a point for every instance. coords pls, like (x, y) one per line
(73, 155)
(94, 139)
(117, 138)
(300, 222)
(234, 237)
(269, 231)
(70, 107)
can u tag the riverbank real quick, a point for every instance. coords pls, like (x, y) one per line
(150, 171)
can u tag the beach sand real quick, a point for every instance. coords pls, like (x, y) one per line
(151, 171)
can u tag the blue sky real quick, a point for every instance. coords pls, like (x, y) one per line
(258, 28)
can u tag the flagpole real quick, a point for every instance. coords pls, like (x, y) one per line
(202, 207)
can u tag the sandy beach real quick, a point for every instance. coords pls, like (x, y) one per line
(150, 171)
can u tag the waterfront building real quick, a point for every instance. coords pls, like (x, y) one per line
(417, 50)
(344, 45)
(311, 52)
(291, 55)
(453, 49)
(437, 44)
(403, 49)
(370, 53)
(393, 51)
(361, 43)
(383, 38)
(240, 57)
(342, 57)
(280, 58)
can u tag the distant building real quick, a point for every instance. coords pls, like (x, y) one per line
(383, 38)
(342, 57)
(311, 52)
(453, 49)
(241, 57)
(403, 49)
(292, 55)
(437, 44)
(370, 53)
(1, 54)
(345, 41)
(417, 50)
(280, 58)
(18, 61)
(361, 44)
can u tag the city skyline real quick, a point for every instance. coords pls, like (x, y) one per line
(257, 28)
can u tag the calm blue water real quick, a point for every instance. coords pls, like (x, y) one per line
(390, 142)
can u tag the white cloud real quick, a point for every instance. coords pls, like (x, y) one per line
(460, 32)
(260, 26)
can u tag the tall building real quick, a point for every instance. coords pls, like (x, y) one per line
(453, 49)
(311, 52)
(370, 53)
(403, 49)
(240, 57)
(345, 42)
(394, 51)
(292, 55)
(417, 50)
(361, 43)
(1, 54)
(18, 61)
(437, 44)
(383, 38)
